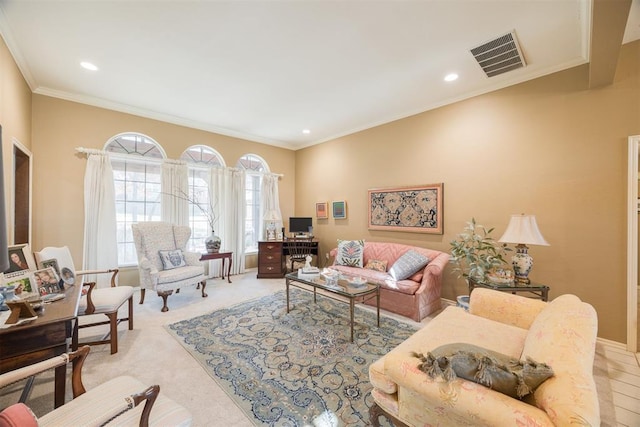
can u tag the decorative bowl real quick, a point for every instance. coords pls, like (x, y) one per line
(503, 277)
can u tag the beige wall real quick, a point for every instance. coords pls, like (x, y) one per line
(15, 118)
(548, 147)
(61, 126)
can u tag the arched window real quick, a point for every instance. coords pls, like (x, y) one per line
(136, 173)
(202, 155)
(254, 166)
(199, 158)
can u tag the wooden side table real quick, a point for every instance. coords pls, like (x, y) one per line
(220, 255)
(537, 290)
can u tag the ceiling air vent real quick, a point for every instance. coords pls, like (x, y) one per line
(500, 55)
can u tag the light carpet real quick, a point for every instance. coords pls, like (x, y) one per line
(152, 355)
(297, 368)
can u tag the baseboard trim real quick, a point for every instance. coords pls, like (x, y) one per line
(611, 343)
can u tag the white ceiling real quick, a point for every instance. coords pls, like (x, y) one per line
(266, 70)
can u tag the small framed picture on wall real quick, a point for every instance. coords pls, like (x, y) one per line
(322, 210)
(340, 209)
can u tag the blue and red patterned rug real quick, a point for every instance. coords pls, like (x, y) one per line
(291, 369)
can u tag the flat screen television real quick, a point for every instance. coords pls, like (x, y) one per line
(299, 225)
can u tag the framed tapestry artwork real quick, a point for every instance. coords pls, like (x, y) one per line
(322, 210)
(339, 209)
(415, 209)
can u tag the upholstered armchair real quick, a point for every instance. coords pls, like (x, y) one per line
(164, 264)
(115, 402)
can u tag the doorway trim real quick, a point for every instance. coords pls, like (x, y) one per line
(17, 145)
(633, 210)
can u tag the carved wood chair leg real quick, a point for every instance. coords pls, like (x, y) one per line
(142, 295)
(374, 417)
(113, 331)
(131, 313)
(164, 296)
(204, 284)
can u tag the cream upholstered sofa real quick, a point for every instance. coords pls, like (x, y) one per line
(561, 333)
(415, 297)
(153, 237)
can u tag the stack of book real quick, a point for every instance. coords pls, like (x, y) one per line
(309, 273)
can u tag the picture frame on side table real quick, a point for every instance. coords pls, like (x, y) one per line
(339, 209)
(322, 210)
(415, 209)
(20, 258)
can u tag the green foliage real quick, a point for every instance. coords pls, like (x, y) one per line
(474, 253)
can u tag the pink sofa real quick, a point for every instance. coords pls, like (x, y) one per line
(415, 297)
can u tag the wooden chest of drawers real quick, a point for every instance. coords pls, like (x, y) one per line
(271, 259)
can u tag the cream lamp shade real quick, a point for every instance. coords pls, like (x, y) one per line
(523, 230)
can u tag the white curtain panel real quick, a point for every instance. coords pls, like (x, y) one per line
(227, 193)
(100, 244)
(270, 199)
(175, 189)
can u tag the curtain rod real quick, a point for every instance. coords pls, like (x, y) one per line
(140, 158)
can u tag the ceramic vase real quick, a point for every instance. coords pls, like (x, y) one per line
(212, 243)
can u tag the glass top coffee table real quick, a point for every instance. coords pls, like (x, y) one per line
(343, 288)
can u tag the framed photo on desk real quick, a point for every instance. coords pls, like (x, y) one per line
(20, 258)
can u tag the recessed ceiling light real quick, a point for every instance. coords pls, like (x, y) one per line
(88, 66)
(450, 77)
(306, 131)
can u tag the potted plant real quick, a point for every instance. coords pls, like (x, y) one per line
(474, 253)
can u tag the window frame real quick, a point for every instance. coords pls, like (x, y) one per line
(255, 174)
(120, 161)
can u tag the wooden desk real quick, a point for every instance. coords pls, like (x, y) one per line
(272, 255)
(220, 255)
(45, 337)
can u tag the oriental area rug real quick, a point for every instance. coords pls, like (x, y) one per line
(294, 369)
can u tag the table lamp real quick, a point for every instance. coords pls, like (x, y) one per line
(523, 230)
(271, 217)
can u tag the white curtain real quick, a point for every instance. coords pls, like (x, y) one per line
(175, 190)
(100, 247)
(270, 199)
(227, 195)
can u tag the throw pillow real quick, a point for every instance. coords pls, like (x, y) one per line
(18, 415)
(492, 369)
(377, 265)
(350, 253)
(408, 264)
(172, 259)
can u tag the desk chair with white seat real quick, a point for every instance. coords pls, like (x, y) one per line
(105, 301)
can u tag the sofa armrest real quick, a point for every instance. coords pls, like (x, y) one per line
(421, 399)
(504, 307)
(432, 273)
